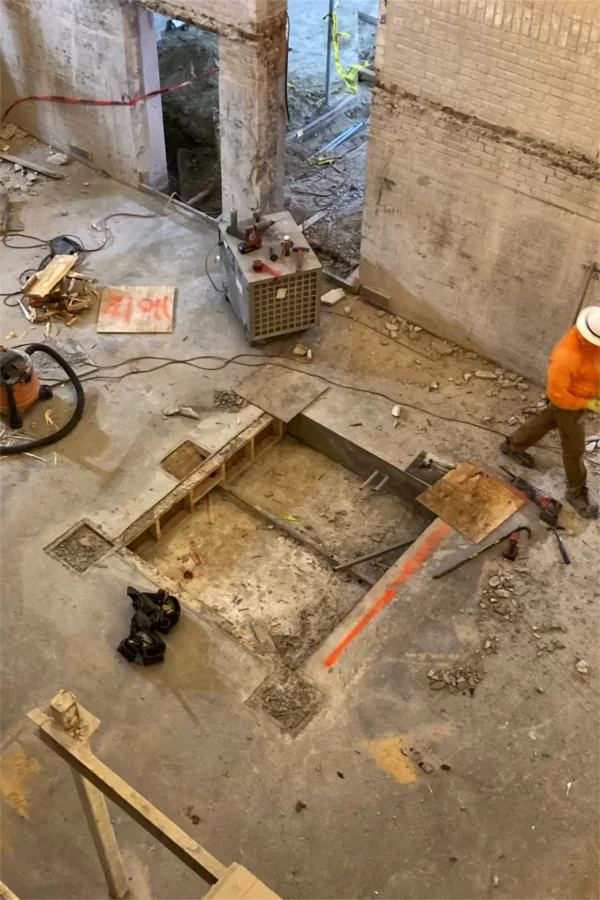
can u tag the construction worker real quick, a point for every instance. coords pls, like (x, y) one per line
(573, 387)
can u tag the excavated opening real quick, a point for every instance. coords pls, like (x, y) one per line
(268, 529)
(190, 114)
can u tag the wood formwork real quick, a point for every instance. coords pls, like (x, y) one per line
(223, 466)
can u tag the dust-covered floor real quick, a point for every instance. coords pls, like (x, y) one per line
(260, 580)
(498, 796)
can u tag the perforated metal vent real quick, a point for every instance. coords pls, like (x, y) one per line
(270, 316)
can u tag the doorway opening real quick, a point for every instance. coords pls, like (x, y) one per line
(191, 115)
(324, 184)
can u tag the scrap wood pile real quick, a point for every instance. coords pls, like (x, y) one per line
(57, 292)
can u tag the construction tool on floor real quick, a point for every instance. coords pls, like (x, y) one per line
(265, 307)
(561, 546)
(480, 550)
(259, 265)
(549, 507)
(155, 614)
(512, 551)
(20, 388)
(374, 555)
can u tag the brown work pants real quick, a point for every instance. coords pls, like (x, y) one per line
(572, 438)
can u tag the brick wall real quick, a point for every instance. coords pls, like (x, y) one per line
(483, 184)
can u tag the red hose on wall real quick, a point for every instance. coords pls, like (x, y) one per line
(57, 99)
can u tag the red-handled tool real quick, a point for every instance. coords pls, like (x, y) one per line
(259, 265)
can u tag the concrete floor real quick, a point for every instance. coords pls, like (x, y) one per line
(519, 801)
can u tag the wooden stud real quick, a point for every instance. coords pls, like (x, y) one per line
(103, 835)
(81, 759)
(155, 530)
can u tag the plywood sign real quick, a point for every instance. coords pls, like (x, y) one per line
(138, 309)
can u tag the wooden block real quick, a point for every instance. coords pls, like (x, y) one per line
(30, 164)
(240, 884)
(64, 710)
(141, 309)
(41, 283)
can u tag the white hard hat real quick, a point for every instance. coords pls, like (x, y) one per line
(588, 324)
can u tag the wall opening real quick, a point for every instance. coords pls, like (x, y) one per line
(191, 114)
(329, 194)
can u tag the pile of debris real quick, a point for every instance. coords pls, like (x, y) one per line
(459, 677)
(500, 594)
(228, 400)
(56, 292)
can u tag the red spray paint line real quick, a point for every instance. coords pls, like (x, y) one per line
(53, 98)
(410, 567)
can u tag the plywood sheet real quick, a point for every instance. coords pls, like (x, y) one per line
(471, 501)
(143, 309)
(282, 393)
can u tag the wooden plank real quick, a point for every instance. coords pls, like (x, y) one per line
(82, 760)
(471, 501)
(103, 835)
(3, 209)
(6, 893)
(30, 164)
(240, 884)
(41, 283)
(139, 309)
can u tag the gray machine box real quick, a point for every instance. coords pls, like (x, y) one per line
(269, 306)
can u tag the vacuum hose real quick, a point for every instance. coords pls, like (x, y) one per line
(77, 413)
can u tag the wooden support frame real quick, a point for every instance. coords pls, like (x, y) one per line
(66, 729)
(223, 466)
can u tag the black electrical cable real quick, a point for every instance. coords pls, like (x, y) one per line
(267, 361)
(27, 446)
(221, 290)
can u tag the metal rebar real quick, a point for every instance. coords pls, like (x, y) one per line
(374, 555)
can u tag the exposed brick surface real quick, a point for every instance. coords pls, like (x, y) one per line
(485, 127)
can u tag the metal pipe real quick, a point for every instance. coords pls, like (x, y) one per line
(300, 133)
(328, 59)
(374, 555)
(350, 132)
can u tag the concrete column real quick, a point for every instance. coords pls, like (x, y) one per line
(252, 110)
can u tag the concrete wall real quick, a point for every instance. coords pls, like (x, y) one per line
(91, 49)
(101, 49)
(482, 195)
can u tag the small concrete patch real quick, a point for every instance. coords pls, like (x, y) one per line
(289, 698)
(80, 548)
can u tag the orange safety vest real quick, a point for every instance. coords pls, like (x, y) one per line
(574, 372)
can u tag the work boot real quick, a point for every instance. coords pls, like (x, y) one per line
(581, 504)
(524, 459)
